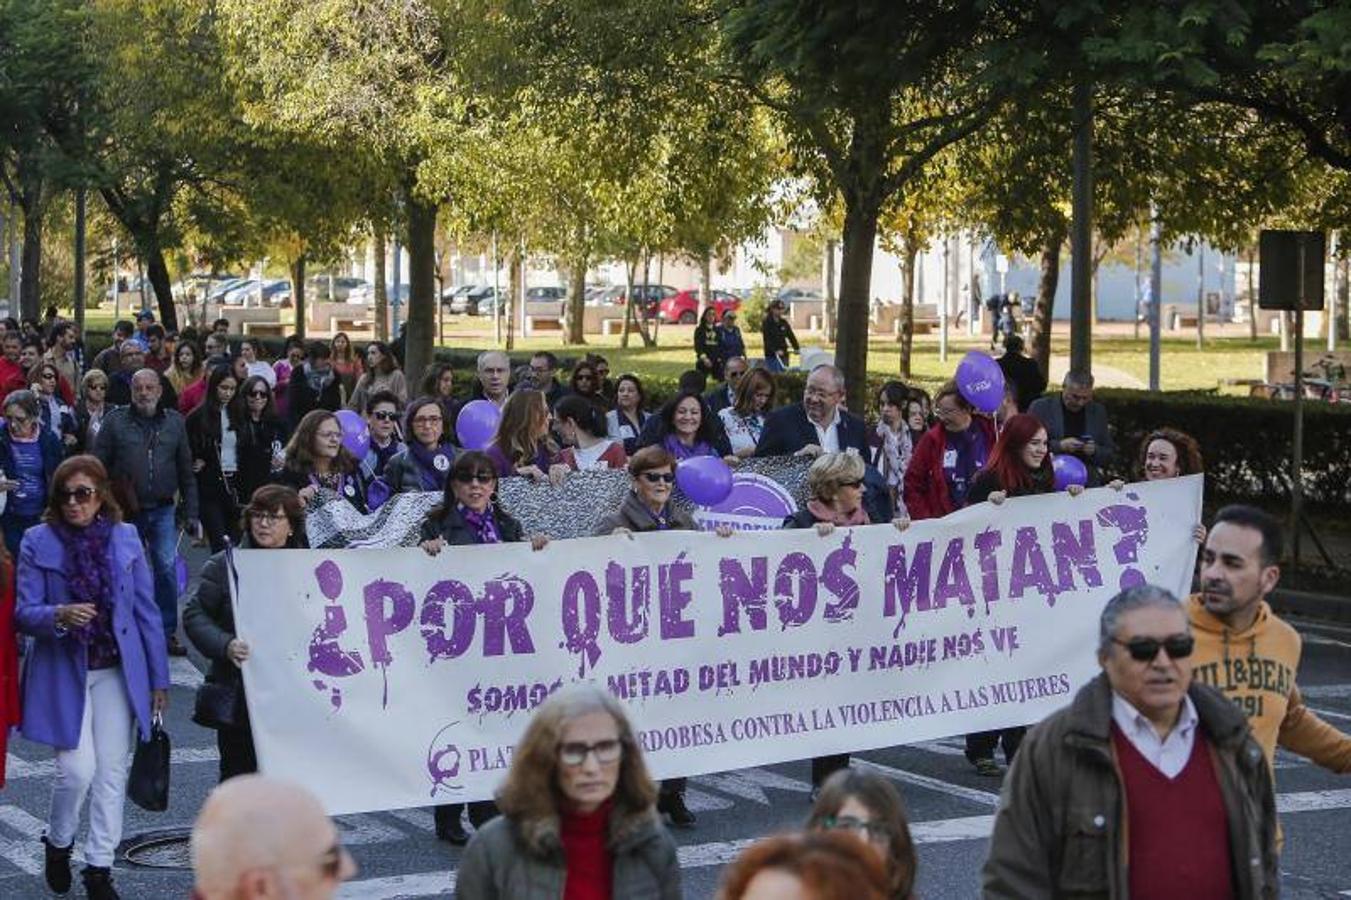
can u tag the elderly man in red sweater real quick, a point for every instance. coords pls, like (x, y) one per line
(1148, 784)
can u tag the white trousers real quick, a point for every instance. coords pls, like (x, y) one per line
(98, 766)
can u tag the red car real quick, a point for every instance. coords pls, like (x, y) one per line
(684, 306)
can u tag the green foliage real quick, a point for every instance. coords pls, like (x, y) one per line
(754, 308)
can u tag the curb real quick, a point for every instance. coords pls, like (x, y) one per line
(1313, 606)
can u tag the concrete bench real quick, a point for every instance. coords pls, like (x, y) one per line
(264, 329)
(611, 326)
(544, 323)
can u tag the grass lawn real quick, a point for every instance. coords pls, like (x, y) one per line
(1183, 366)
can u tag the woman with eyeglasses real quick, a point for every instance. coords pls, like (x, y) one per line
(468, 514)
(438, 381)
(426, 460)
(581, 425)
(316, 458)
(625, 422)
(947, 457)
(346, 362)
(744, 420)
(29, 456)
(867, 806)
(262, 437)
(56, 416)
(835, 488)
(382, 374)
(98, 668)
(578, 817)
(274, 519)
(646, 508)
(91, 408)
(523, 445)
(188, 367)
(687, 430)
(213, 437)
(586, 384)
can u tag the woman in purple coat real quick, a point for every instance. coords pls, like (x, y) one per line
(97, 664)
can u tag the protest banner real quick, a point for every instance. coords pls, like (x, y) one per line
(386, 678)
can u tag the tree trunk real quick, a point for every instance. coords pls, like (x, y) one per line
(381, 295)
(909, 251)
(629, 266)
(1042, 314)
(163, 287)
(640, 306)
(30, 263)
(513, 292)
(298, 294)
(418, 348)
(1344, 300)
(705, 283)
(828, 312)
(574, 308)
(851, 344)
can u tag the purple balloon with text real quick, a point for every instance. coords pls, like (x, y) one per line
(477, 423)
(981, 381)
(1068, 470)
(356, 437)
(706, 480)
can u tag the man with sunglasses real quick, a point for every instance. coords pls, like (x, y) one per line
(1149, 784)
(724, 395)
(1244, 650)
(259, 837)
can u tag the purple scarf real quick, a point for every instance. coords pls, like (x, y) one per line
(679, 450)
(89, 579)
(483, 524)
(432, 477)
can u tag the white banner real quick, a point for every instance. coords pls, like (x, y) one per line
(383, 679)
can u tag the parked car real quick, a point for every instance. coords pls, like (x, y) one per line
(480, 299)
(792, 295)
(365, 294)
(316, 287)
(684, 306)
(449, 294)
(220, 288)
(235, 295)
(546, 293)
(650, 294)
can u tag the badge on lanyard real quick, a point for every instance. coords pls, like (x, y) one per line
(440, 462)
(949, 459)
(349, 489)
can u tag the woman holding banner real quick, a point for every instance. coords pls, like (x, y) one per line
(522, 445)
(424, 464)
(688, 431)
(578, 819)
(891, 441)
(467, 515)
(1168, 453)
(947, 457)
(316, 458)
(274, 519)
(835, 486)
(581, 424)
(98, 668)
(1019, 466)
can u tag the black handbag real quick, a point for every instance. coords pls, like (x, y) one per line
(148, 784)
(216, 706)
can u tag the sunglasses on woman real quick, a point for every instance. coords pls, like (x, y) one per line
(81, 495)
(259, 395)
(475, 478)
(659, 477)
(383, 416)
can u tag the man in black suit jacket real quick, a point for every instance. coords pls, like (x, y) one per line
(724, 395)
(816, 425)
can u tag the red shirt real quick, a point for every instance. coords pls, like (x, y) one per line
(1178, 829)
(590, 866)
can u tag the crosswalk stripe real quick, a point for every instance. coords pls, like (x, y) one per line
(985, 798)
(16, 767)
(26, 852)
(182, 673)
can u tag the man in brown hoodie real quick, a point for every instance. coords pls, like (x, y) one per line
(1245, 650)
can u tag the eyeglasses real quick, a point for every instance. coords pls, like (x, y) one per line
(659, 477)
(1178, 646)
(260, 395)
(81, 495)
(96, 387)
(47, 376)
(475, 478)
(856, 483)
(574, 753)
(267, 518)
(875, 831)
(385, 416)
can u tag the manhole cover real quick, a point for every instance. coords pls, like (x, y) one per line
(166, 849)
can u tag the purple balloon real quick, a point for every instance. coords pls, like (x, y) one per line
(1068, 470)
(181, 573)
(706, 480)
(356, 437)
(981, 381)
(477, 423)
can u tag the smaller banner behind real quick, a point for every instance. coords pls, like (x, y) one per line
(386, 679)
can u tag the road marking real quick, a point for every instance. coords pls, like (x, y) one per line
(1326, 641)
(945, 747)
(183, 673)
(16, 767)
(985, 798)
(27, 853)
(365, 828)
(1331, 714)
(1327, 691)
(1313, 801)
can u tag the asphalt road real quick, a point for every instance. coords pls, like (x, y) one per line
(949, 805)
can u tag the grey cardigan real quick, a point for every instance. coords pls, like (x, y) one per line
(511, 862)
